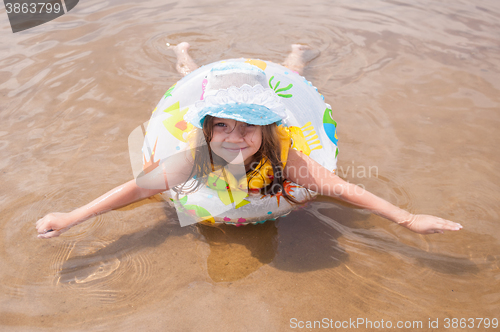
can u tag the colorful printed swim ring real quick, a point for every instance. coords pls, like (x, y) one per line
(312, 129)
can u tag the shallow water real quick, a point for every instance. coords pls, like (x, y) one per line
(415, 88)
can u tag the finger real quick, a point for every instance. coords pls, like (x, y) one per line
(449, 222)
(446, 227)
(44, 230)
(43, 236)
(40, 229)
(42, 221)
(48, 235)
(452, 226)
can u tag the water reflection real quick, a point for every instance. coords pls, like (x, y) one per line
(236, 252)
(415, 89)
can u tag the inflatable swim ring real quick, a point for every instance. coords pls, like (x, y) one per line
(310, 123)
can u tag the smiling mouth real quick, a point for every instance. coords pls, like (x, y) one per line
(234, 149)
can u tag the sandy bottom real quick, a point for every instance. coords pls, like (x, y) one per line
(415, 89)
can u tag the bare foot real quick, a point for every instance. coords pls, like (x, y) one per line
(300, 56)
(185, 64)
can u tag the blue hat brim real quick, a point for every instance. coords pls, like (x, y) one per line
(248, 113)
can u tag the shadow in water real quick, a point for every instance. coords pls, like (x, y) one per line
(362, 234)
(299, 242)
(307, 244)
(103, 262)
(235, 252)
(438, 262)
(306, 240)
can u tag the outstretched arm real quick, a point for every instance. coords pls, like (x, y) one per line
(309, 174)
(175, 168)
(54, 224)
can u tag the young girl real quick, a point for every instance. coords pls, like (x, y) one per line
(249, 144)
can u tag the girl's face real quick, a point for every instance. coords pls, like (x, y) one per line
(230, 137)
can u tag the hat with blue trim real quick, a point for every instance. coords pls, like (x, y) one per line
(236, 90)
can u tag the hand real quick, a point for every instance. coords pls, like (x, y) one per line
(425, 224)
(54, 224)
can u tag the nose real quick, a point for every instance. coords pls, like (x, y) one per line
(237, 133)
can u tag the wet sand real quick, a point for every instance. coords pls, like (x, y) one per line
(415, 89)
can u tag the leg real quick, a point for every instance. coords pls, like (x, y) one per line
(185, 64)
(300, 56)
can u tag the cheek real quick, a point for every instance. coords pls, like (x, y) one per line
(214, 145)
(255, 145)
(216, 137)
(256, 141)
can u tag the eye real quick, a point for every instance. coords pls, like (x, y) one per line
(219, 124)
